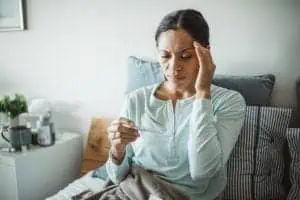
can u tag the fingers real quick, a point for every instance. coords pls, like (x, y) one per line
(203, 54)
(116, 135)
(120, 127)
(127, 122)
(206, 70)
(200, 51)
(118, 141)
(122, 131)
(119, 138)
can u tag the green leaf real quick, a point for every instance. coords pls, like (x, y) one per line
(14, 107)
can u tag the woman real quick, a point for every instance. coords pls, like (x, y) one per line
(184, 128)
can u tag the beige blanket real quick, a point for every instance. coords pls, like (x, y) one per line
(138, 185)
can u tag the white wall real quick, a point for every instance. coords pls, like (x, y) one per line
(74, 52)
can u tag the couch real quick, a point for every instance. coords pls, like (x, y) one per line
(264, 163)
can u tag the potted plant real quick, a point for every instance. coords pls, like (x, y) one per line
(3, 112)
(13, 107)
(2, 107)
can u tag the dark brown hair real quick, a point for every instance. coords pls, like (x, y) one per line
(192, 21)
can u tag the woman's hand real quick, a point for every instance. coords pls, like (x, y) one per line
(206, 71)
(120, 133)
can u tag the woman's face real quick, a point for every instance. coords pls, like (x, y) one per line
(178, 58)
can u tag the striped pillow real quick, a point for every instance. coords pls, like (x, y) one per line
(293, 138)
(256, 166)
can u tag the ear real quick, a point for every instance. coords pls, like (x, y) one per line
(208, 47)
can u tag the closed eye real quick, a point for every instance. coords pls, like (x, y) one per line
(186, 57)
(165, 56)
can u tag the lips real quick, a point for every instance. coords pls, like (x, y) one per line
(176, 77)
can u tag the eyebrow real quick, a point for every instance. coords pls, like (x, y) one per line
(181, 50)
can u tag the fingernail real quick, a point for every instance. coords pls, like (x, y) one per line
(196, 44)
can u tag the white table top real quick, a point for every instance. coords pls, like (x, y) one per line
(34, 148)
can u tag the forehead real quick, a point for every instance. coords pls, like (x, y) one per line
(174, 40)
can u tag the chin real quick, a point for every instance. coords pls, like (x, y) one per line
(181, 84)
(178, 83)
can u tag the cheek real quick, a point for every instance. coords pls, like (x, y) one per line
(193, 73)
(193, 65)
(195, 62)
(193, 69)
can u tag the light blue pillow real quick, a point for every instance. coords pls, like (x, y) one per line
(142, 72)
(255, 89)
(100, 173)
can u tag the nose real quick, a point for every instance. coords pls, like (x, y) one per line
(175, 66)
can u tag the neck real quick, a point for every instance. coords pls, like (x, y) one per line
(168, 91)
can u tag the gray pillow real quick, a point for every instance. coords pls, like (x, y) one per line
(293, 138)
(255, 89)
(295, 122)
(255, 168)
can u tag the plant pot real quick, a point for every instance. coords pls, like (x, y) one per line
(19, 120)
(15, 122)
(17, 136)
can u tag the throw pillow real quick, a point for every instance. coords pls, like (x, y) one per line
(293, 138)
(295, 122)
(98, 145)
(255, 168)
(255, 89)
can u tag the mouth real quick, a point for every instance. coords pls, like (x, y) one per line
(176, 78)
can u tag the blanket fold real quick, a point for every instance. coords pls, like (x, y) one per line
(139, 184)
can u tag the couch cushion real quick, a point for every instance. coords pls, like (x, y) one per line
(245, 85)
(254, 168)
(295, 122)
(293, 138)
(98, 145)
(256, 165)
(255, 89)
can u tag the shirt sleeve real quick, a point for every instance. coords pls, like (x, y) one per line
(214, 133)
(117, 172)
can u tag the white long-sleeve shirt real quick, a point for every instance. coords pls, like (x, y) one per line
(188, 145)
